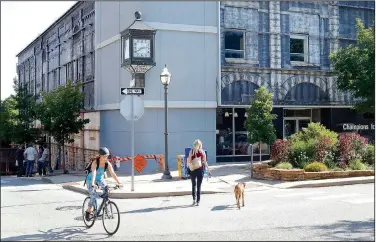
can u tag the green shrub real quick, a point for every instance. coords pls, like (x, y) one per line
(357, 165)
(330, 160)
(301, 152)
(369, 156)
(315, 131)
(284, 165)
(337, 169)
(316, 167)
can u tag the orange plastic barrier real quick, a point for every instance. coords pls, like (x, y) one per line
(140, 160)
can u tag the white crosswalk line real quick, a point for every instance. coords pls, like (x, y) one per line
(359, 201)
(335, 196)
(295, 194)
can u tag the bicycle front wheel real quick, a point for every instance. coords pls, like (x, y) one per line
(111, 218)
(88, 223)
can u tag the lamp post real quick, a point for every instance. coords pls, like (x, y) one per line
(165, 79)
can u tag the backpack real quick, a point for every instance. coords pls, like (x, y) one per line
(88, 168)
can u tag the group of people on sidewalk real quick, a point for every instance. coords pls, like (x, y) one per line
(26, 160)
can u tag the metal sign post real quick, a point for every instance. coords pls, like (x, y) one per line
(250, 151)
(132, 108)
(132, 141)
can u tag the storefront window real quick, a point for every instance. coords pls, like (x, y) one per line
(230, 143)
(224, 132)
(241, 134)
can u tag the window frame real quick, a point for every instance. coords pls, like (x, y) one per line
(243, 31)
(305, 47)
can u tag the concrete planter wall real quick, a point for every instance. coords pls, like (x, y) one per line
(263, 170)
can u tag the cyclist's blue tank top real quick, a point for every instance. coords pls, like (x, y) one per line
(98, 177)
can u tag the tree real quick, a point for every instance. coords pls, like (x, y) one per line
(18, 113)
(7, 121)
(355, 68)
(59, 113)
(259, 122)
(25, 104)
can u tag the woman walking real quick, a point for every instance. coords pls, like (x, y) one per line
(196, 161)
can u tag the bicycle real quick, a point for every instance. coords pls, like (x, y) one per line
(106, 208)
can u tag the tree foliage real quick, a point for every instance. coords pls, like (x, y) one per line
(259, 122)
(355, 68)
(7, 120)
(60, 112)
(18, 113)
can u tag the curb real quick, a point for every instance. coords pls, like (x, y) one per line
(363, 180)
(140, 194)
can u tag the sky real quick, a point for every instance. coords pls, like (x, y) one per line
(21, 23)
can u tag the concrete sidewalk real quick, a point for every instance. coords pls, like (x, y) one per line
(225, 177)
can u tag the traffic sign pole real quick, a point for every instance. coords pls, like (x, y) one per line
(135, 105)
(132, 188)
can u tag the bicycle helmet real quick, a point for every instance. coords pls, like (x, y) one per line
(103, 151)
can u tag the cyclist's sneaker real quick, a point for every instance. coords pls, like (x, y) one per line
(88, 216)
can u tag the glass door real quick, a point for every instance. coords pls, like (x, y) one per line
(289, 126)
(303, 123)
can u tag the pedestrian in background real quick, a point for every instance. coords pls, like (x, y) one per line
(46, 157)
(20, 161)
(196, 161)
(31, 156)
(57, 158)
(41, 162)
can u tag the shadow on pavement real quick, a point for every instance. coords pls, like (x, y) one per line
(344, 230)
(64, 233)
(224, 207)
(31, 190)
(20, 181)
(69, 208)
(37, 204)
(149, 210)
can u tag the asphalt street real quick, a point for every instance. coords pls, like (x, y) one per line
(34, 210)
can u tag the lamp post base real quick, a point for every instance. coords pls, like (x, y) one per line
(166, 175)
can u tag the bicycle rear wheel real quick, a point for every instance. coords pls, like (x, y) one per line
(111, 218)
(85, 206)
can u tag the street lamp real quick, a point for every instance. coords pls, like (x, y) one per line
(165, 79)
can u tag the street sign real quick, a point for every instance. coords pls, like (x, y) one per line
(132, 91)
(132, 108)
(126, 107)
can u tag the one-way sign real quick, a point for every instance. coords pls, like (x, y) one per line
(132, 91)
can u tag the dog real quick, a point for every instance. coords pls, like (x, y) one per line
(239, 193)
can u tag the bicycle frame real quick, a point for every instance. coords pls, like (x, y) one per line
(105, 201)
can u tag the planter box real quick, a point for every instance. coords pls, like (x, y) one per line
(263, 170)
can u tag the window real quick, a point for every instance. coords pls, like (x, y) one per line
(299, 48)
(234, 44)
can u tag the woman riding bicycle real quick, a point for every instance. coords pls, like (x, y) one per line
(98, 181)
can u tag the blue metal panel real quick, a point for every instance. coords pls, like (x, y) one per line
(285, 5)
(326, 43)
(263, 40)
(306, 94)
(238, 93)
(347, 20)
(285, 41)
(344, 43)
(264, 5)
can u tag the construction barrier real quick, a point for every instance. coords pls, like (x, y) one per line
(139, 161)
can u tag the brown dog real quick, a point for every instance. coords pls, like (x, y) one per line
(239, 193)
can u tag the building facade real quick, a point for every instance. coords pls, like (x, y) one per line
(189, 47)
(285, 47)
(84, 44)
(217, 52)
